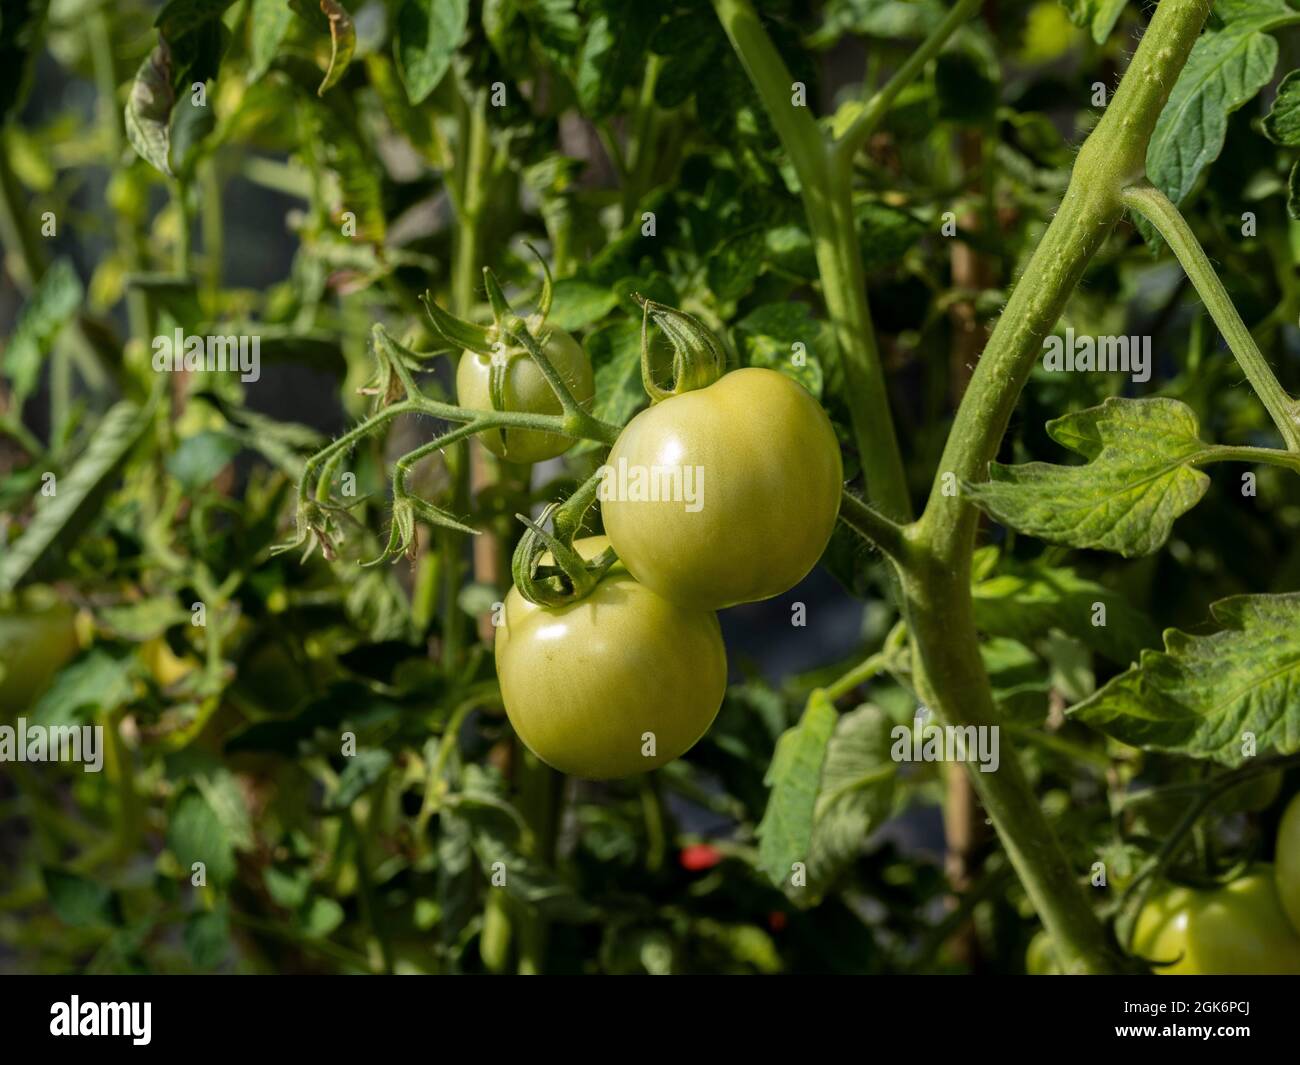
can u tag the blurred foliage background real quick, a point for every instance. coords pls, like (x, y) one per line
(313, 194)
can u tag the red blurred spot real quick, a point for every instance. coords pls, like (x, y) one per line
(776, 920)
(700, 856)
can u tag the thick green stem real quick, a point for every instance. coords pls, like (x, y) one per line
(937, 569)
(1155, 207)
(827, 196)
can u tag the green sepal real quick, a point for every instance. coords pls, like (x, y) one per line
(456, 331)
(698, 357)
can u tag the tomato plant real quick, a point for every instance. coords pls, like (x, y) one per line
(392, 391)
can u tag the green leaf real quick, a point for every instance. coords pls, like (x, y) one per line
(1024, 600)
(362, 773)
(1282, 125)
(142, 620)
(195, 834)
(52, 305)
(1224, 70)
(1202, 695)
(77, 494)
(735, 264)
(767, 337)
(199, 458)
(577, 304)
(615, 352)
(427, 36)
(1293, 192)
(1098, 16)
(786, 832)
(855, 796)
(190, 126)
(100, 681)
(268, 25)
(1139, 478)
(320, 917)
(149, 108)
(207, 937)
(343, 42)
(79, 902)
(885, 233)
(612, 54)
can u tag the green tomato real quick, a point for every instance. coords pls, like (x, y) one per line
(586, 684)
(1288, 861)
(1239, 929)
(1040, 957)
(34, 645)
(760, 477)
(527, 391)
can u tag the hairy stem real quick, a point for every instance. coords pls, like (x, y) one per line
(936, 579)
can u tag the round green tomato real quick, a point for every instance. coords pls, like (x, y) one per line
(526, 391)
(1040, 957)
(34, 645)
(1238, 929)
(613, 684)
(1288, 861)
(727, 494)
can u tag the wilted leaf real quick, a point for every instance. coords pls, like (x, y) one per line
(149, 108)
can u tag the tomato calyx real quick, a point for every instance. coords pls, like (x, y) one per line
(698, 357)
(567, 577)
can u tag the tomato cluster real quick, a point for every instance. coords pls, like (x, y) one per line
(1248, 926)
(631, 675)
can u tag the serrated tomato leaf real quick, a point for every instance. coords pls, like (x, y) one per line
(1225, 697)
(1225, 69)
(1140, 477)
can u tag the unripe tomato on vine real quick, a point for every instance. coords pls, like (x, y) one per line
(525, 390)
(611, 684)
(1236, 929)
(763, 468)
(1287, 869)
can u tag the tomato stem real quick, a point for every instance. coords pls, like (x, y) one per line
(1153, 205)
